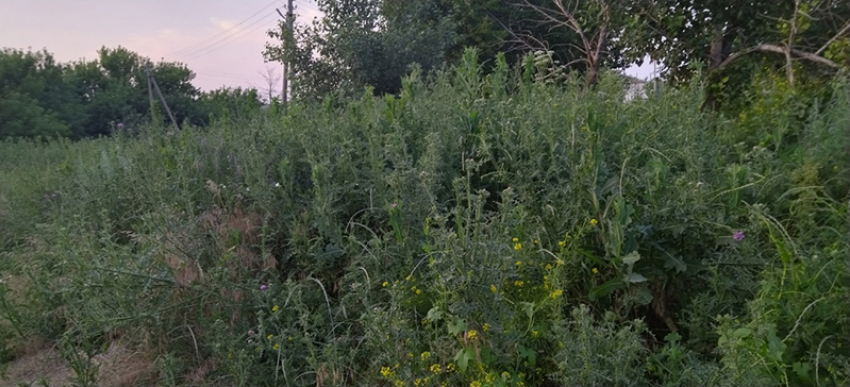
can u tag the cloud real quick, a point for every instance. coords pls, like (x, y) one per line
(224, 25)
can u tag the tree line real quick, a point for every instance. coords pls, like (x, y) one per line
(735, 47)
(727, 43)
(40, 97)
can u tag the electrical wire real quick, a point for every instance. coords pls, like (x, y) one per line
(227, 41)
(206, 42)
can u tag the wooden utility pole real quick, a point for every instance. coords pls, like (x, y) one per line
(150, 88)
(161, 97)
(287, 35)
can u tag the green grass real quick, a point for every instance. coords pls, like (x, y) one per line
(473, 231)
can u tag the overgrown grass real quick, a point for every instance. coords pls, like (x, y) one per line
(473, 231)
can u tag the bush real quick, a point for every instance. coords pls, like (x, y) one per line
(441, 237)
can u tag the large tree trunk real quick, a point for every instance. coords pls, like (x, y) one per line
(721, 46)
(721, 49)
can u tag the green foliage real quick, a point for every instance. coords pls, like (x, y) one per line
(41, 98)
(362, 43)
(609, 354)
(476, 229)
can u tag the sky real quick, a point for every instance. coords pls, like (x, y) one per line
(220, 40)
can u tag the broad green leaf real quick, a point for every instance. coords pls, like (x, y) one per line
(643, 296)
(742, 332)
(435, 314)
(673, 262)
(634, 278)
(457, 326)
(605, 289)
(528, 354)
(631, 258)
(462, 359)
(528, 308)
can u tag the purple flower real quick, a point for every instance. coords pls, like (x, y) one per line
(120, 125)
(250, 332)
(738, 235)
(394, 205)
(263, 287)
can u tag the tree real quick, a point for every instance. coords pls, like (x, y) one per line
(40, 97)
(227, 103)
(34, 99)
(719, 32)
(272, 80)
(362, 43)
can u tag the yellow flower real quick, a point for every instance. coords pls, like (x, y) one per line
(535, 333)
(548, 266)
(436, 369)
(562, 244)
(408, 278)
(518, 263)
(557, 293)
(490, 378)
(418, 291)
(472, 334)
(475, 383)
(519, 283)
(269, 337)
(386, 372)
(450, 367)
(410, 355)
(385, 284)
(417, 382)
(520, 384)
(493, 288)
(515, 240)
(594, 222)
(595, 271)
(537, 241)
(425, 355)
(276, 347)
(506, 375)
(289, 338)
(486, 327)
(398, 383)
(230, 355)
(275, 308)
(517, 246)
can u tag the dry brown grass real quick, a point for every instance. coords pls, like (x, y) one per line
(38, 365)
(42, 365)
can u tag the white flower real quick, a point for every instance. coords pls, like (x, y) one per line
(277, 185)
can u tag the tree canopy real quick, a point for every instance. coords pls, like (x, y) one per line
(41, 97)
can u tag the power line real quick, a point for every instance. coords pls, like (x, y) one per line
(224, 40)
(205, 41)
(228, 40)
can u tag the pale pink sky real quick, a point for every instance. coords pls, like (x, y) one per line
(205, 35)
(220, 40)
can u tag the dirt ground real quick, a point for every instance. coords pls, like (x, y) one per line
(42, 366)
